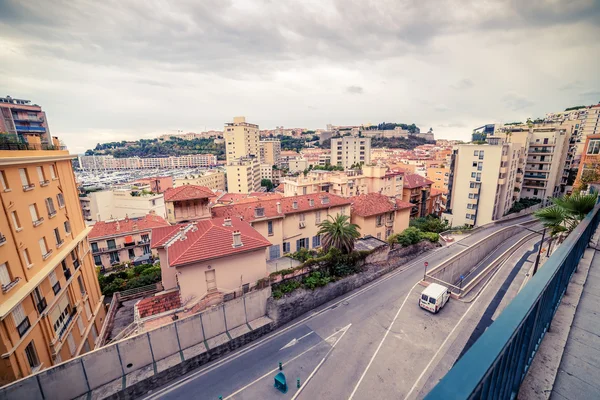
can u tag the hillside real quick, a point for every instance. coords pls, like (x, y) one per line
(156, 148)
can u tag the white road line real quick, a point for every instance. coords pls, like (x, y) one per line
(387, 331)
(345, 329)
(294, 341)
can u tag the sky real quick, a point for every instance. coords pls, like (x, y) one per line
(129, 69)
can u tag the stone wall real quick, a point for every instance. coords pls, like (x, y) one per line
(302, 301)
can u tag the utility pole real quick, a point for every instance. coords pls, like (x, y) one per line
(537, 259)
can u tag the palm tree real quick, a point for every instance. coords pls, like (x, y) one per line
(338, 232)
(566, 213)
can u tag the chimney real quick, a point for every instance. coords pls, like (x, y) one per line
(295, 205)
(118, 226)
(237, 239)
(278, 208)
(227, 222)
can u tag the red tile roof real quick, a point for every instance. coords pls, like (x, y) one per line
(436, 192)
(247, 210)
(231, 198)
(159, 304)
(280, 188)
(366, 205)
(126, 225)
(188, 192)
(400, 205)
(206, 240)
(412, 181)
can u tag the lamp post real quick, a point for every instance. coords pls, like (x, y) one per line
(537, 258)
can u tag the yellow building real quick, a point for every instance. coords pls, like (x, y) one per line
(270, 152)
(243, 175)
(212, 179)
(380, 216)
(188, 203)
(439, 175)
(349, 150)
(289, 223)
(50, 306)
(241, 139)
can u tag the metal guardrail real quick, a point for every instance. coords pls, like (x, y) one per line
(496, 364)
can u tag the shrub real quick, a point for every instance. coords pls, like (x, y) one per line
(432, 237)
(409, 236)
(315, 280)
(303, 255)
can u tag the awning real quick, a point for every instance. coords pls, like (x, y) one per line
(128, 239)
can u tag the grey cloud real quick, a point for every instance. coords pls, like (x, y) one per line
(355, 90)
(152, 82)
(463, 84)
(516, 102)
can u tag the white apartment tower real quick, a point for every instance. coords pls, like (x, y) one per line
(350, 150)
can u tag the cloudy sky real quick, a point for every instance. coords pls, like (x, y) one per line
(126, 69)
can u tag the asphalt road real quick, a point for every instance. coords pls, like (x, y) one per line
(374, 342)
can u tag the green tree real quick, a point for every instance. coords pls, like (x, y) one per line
(566, 213)
(267, 183)
(338, 232)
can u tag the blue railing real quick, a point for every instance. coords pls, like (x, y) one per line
(23, 128)
(496, 364)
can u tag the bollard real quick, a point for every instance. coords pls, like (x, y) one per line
(298, 383)
(220, 397)
(280, 366)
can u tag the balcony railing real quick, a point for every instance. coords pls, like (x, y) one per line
(105, 249)
(2, 239)
(6, 288)
(51, 213)
(540, 151)
(38, 221)
(44, 183)
(67, 323)
(536, 176)
(45, 256)
(67, 274)
(27, 188)
(56, 287)
(23, 327)
(24, 128)
(59, 243)
(41, 306)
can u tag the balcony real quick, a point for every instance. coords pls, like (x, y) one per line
(76, 264)
(6, 288)
(27, 188)
(41, 306)
(106, 249)
(67, 273)
(2, 239)
(60, 243)
(23, 128)
(23, 327)
(536, 176)
(51, 213)
(70, 319)
(56, 287)
(534, 144)
(534, 185)
(44, 183)
(143, 242)
(45, 256)
(540, 151)
(389, 223)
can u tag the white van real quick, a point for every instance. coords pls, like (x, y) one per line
(434, 297)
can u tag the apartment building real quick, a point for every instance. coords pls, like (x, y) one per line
(50, 304)
(589, 168)
(297, 165)
(243, 175)
(379, 215)
(156, 184)
(241, 139)
(211, 257)
(289, 223)
(120, 203)
(349, 150)
(108, 162)
(124, 240)
(212, 179)
(267, 171)
(369, 179)
(439, 175)
(188, 203)
(25, 120)
(485, 181)
(270, 152)
(417, 191)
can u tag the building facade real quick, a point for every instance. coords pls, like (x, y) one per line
(188, 203)
(123, 240)
(241, 139)
(417, 191)
(380, 216)
(108, 162)
(50, 306)
(212, 179)
(121, 203)
(270, 152)
(243, 175)
(350, 150)
(25, 120)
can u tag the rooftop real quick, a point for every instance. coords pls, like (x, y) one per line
(412, 181)
(206, 240)
(159, 304)
(126, 225)
(188, 192)
(366, 205)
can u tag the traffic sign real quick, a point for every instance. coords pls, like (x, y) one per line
(426, 264)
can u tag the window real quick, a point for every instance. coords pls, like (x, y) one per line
(43, 247)
(4, 275)
(97, 260)
(111, 244)
(379, 235)
(479, 166)
(481, 155)
(473, 174)
(302, 243)
(94, 333)
(59, 315)
(4, 182)
(21, 320)
(286, 247)
(41, 176)
(476, 153)
(53, 171)
(71, 342)
(471, 196)
(146, 249)
(114, 257)
(316, 241)
(80, 325)
(378, 220)
(61, 200)
(274, 252)
(468, 216)
(50, 207)
(32, 357)
(59, 241)
(24, 177)
(94, 246)
(478, 179)
(318, 217)
(131, 254)
(474, 164)
(27, 258)
(54, 282)
(35, 218)
(16, 222)
(88, 312)
(67, 227)
(40, 301)
(593, 147)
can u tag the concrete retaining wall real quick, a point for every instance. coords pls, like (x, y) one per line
(302, 301)
(132, 366)
(451, 269)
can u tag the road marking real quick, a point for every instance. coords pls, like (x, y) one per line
(294, 341)
(387, 331)
(344, 329)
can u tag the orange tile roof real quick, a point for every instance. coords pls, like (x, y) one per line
(303, 204)
(400, 205)
(366, 205)
(159, 304)
(412, 181)
(206, 240)
(126, 225)
(188, 192)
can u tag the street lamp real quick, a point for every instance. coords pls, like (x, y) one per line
(537, 258)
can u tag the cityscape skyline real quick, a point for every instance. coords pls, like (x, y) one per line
(296, 66)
